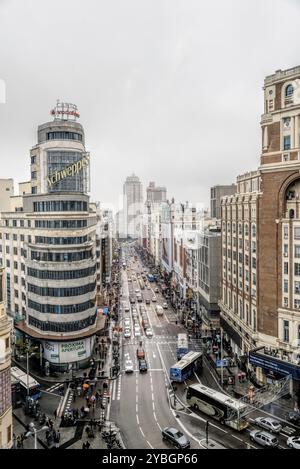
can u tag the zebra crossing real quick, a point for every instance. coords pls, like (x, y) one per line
(69, 401)
(55, 387)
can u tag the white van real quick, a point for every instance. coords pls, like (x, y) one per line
(159, 310)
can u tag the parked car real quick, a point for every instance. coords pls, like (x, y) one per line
(269, 424)
(127, 308)
(147, 301)
(294, 417)
(176, 437)
(149, 332)
(165, 305)
(156, 290)
(293, 442)
(148, 287)
(143, 366)
(127, 333)
(154, 299)
(126, 323)
(129, 366)
(137, 332)
(264, 439)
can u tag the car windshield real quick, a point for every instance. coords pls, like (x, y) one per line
(178, 434)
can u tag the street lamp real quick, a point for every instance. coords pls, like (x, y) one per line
(34, 432)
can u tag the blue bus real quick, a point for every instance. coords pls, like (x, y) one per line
(186, 367)
(182, 346)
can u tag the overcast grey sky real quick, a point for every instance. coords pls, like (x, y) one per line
(169, 89)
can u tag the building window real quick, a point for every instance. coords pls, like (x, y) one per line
(287, 142)
(286, 268)
(289, 93)
(254, 320)
(7, 343)
(297, 251)
(286, 286)
(297, 288)
(9, 434)
(286, 331)
(297, 232)
(33, 160)
(297, 270)
(254, 279)
(33, 174)
(286, 250)
(253, 263)
(286, 232)
(253, 247)
(253, 231)
(34, 190)
(246, 230)
(285, 302)
(240, 229)
(297, 304)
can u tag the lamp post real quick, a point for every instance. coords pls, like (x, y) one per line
(33, 432)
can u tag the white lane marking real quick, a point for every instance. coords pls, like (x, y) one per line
(153, 406)
(137, 418)
(136, 408)
(150, 444)
(142, 432)
(197, 377)
(114, 391)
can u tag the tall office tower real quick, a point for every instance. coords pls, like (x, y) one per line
(261, 242)
(49, 246)
(6, 434)
(133, 205)
(156, 194)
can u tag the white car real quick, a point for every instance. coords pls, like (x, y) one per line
(154, 299)
(137, 332)
(127, 333)
(165, 305)
(129, 366)
(126, 323)
(293, 442)
(137, 291)
(269, 423)
(127, 309)
(148, 288)
(149, 332)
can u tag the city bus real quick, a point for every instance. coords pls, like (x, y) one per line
(26, 381)
(185, 368)
(227, 410)
(182, 346)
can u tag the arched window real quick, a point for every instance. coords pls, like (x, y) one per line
(292, 214)
(289, 91)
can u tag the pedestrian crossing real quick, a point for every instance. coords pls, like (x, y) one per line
(55, 387)
(69, 401)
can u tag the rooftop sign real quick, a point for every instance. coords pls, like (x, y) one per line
(65, 111)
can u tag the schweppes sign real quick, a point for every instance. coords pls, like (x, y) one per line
(71, 170)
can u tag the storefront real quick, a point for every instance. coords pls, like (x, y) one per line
(270, 369)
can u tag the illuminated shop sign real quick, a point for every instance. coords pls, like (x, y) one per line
(69, 171)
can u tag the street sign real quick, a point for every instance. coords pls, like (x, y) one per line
(221, 363)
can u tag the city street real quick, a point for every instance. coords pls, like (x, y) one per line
(143, 403)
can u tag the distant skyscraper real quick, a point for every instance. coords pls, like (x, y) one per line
(133, 201)
(156, 194)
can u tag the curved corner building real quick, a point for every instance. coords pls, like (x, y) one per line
(53, 230)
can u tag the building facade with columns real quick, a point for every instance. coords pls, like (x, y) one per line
(261, 241)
